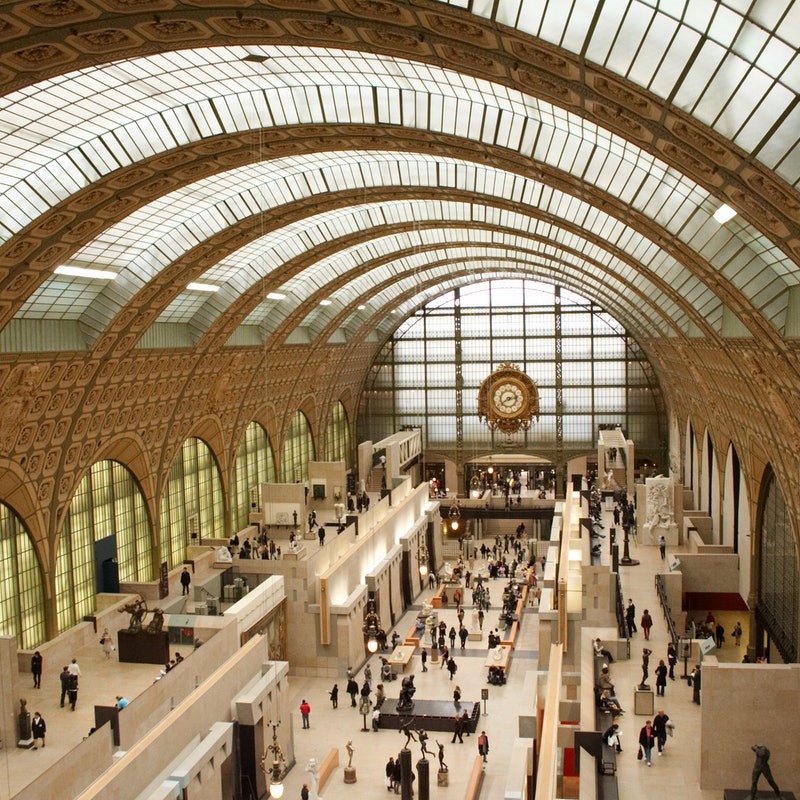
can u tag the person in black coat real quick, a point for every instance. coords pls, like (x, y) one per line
(334, 693)
(36, 669)
(38, 729)
(458, 730)
(64, 676)
(352, 690)
(661, 678)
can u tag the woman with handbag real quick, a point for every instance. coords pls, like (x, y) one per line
(647, 738)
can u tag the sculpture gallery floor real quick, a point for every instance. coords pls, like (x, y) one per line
(676, 774)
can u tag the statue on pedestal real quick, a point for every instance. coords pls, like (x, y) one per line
(24, 721)
(660, 520)
(442, 765)
(761, 767)
(407, 690)
(350, 750)
(645, 668)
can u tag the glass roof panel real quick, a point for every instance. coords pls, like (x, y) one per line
(650, 42)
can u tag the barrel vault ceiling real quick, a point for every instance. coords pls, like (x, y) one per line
(278, 173)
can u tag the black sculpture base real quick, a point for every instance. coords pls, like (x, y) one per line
(430, 715)
(143, 648)
(761, 794)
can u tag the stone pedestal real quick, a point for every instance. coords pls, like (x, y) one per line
(643, 702)
(143, 648)
(475, 637)
(442, 778)
(349, 774)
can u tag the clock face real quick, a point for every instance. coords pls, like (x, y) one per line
(508, 398)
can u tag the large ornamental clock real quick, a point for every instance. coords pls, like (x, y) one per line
(508, 399)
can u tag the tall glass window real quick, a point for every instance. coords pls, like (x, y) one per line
(779, 576)
(604, 377)
(107, 502)
(21, 583)
(298, 450)
(337, 436)
(192, 502)
(254, 465)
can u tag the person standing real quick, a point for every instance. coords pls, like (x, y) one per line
(38, 728)
(452, 636)
(36, 669)
(662, 546)
(737, 634)
(457, 695)
(305, 710)
(368, 675)
(74, 669)
(64, 677)
(647, 739)
(630, 617)
(483, 745)
(672, 659)
(107, 642)
(424, 657)
(660, 727)
(661, 677)
(719, 635)
(462, 634)
(334, 693)
(696, 681)
(352, 690)
(304, 792)
(186, 579)
(647, 623)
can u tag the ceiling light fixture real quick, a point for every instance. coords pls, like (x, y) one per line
(324, 302)
(275, 296)
(724, 213)
(83, 272)
(373, 632)
(276, 771)
(203, 287)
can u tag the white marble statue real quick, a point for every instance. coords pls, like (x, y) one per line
(475, 624)
(659, 511)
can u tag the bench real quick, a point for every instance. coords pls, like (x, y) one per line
(328, 766)
(475, 780)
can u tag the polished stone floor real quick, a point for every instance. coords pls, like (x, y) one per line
(675, 775)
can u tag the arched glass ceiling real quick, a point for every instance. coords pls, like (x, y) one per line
(733, 64)
(163, 231)
(536, 242)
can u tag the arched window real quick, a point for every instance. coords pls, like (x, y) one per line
(778, 577)
(254, 465)
(107, 518)
(21, 584)
(298, 450)
(192, 503)
(337, 436)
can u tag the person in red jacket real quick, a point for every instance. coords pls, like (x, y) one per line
(305, 710)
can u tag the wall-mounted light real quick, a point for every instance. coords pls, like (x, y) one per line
(373, 632)
(276, 771)
(422, 560)
(455, 516)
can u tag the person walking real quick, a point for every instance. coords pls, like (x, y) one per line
(445, 656)
(647, 738)
(462, 634)
(334, 693)
(662, 546)
(305, 710)
(74, 669)
(458, 730)
(646, 623)
(483, 745)
(661, 677)
(64, 677)
(660, 727)
(695, 684)
(38, 729)
(452, 667)
(457, 695)
(36, 669)
(352, 690)
(186, 579)
(72, 689)
(305, 792)
(424, 657)
(452, 636)
(107, 643)
(368, 675)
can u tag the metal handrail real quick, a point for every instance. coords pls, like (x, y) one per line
(662, 597)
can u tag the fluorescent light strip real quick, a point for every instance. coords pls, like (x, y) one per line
(275, 296)
(724, 213)
(324, 302)
(83, 272)
(203, 287)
